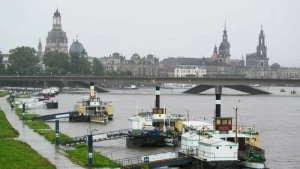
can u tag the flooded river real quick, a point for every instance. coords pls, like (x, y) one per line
(275, 116)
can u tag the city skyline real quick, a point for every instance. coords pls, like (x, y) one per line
(171, 29)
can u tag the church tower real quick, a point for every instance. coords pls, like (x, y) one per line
(40, 51)
(261, 50)
(224, 49)
(57, 39)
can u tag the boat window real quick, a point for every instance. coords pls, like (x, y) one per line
(218, 122)
(224, 122)
(229, 121)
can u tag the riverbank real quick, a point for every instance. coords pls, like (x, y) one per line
(77, 154)
(15, 153)
(33, 142)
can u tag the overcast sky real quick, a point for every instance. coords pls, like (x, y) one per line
(166, 28)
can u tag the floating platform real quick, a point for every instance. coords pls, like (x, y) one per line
(51, 104)
(138, 141)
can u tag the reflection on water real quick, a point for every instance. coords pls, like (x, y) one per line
(276, 117)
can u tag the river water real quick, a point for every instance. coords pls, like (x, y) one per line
(276, 117)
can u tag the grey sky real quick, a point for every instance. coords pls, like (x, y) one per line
(167, 28)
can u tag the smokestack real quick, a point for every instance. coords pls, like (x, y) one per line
(92, 93)
(157, 93)
(218, 91)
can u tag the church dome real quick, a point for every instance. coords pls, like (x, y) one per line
(224, 45)
(57, 36)
(135, 56)
(57, 13)
(76, 47)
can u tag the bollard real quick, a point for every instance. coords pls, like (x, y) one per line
(56, 132)
(23, 112)
(90, 150)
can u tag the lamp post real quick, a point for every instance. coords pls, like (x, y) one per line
(90, 147)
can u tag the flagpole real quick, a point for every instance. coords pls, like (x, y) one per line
(165, 116)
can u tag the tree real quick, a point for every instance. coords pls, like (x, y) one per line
(2, 68)
(74, 63)
(84, 66)
(128, 73)
(98, 69)
(58, 61)
(23, 57)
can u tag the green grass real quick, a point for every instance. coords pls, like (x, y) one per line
(18, 155)
(37, 125)
(79, 156)
(2, 94)
(50, 136)
(6, 130)
(28, 116)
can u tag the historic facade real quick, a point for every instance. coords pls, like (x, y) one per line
(137, 65)
(224, 49)
(57, 39)
(258, 60)
(190, 71)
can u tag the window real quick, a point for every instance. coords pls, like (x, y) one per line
(218, 122)
(224, 122)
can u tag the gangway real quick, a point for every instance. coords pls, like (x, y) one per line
(56, 116)
(116, 134)
(175, 158)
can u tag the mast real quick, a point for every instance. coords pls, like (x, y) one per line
(236, 125)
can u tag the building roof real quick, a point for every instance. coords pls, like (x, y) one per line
(214, 56)
(57, 14)
(76, 47)
(135, 56)
(57, 36)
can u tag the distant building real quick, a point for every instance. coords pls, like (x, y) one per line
(219, 64)
(189, 71)
(137, 65)
(289, 73)
(259, 59)
(5, 61)
(57, 39)
(77, 47)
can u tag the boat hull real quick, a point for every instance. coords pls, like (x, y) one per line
(170, 141)
(254, 165)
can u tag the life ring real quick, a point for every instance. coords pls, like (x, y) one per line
(205, 128)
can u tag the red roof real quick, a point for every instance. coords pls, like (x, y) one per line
(214, 56)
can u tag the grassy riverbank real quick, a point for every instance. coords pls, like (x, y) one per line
(2, 93)
(79, 156)
(15, 153)
(6, 130)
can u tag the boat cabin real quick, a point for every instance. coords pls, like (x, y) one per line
(223, 124)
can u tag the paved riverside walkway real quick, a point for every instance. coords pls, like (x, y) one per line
(37, 142)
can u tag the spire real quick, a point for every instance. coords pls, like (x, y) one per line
(225, 31)
(215, 49)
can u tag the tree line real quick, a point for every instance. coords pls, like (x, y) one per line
(24, 61)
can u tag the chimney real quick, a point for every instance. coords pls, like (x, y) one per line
(218, 91)
(157, 93)
(92, 93)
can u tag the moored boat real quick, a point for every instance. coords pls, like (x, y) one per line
(220, 143)
(168, 126)
(93, 107)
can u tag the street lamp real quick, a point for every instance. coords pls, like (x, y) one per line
(90, 147)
